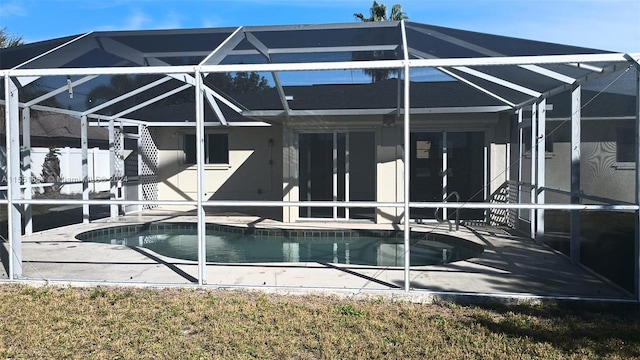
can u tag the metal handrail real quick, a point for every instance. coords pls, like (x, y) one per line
(441, 220)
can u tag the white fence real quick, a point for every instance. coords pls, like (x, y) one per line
(70, 169)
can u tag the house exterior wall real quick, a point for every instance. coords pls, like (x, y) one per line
(499, 158)
(390, 168)
(260, 171)
(389, 142)
(253, 172)
(601, 174)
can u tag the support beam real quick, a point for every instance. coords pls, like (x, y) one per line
(73, 49)
(636, 64)
(407, 154)
(482, 50)
(84, 146)
(113, 193)
(637, 283)
(541, 174)
(264, 50)
(139, 57)
(519, 112)
(342, 65)
(534, 180)
(475, 86)
(216, 109)
(127, 95)
(59, 90)
(150, 101)
(593, 76)
(219, 53)
(200, 146)
(13, 176)
(574, 224)
(444, 176)
(188, 79)
(424, 55)
(26, 169)
(497, 80)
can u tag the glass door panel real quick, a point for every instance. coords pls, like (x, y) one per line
(340, 181)
(437, 171)
(465, 170)
(316, 173)
(337, 166)
(426, 171)
(362, 173)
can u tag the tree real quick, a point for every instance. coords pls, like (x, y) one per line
(378, 12)
(51, 171)
(9, 40)
(239, 83)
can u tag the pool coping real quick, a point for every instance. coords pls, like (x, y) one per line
(495, 275)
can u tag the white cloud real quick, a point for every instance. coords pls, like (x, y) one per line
(139, 20)
(12, 8)
(136, 20)
(171, 20)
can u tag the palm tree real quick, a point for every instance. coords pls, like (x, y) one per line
(378, 12)
(9, 40)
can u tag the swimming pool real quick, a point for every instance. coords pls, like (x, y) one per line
(228, 244)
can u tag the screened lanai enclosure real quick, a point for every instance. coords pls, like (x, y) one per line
(524, 151)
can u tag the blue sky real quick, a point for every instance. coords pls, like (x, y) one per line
(602, 24)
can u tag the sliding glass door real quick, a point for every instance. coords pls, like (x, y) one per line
(337, 166)
(443, 163)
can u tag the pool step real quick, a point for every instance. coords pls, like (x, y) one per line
(473, 223)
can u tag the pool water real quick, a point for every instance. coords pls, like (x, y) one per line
(229, 247)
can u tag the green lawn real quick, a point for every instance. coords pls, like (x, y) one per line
(126, 323)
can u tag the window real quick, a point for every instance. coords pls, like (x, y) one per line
(216, 149)
(625, 141)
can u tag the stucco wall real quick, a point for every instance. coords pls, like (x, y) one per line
(600, 173)
(390, 168)
(499, 160)
(254, 171)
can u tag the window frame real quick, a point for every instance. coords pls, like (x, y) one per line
(622, 162)
(189, 149)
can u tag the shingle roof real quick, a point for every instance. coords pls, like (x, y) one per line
(53, 125)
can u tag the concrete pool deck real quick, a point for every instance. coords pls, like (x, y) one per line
(509, 266)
